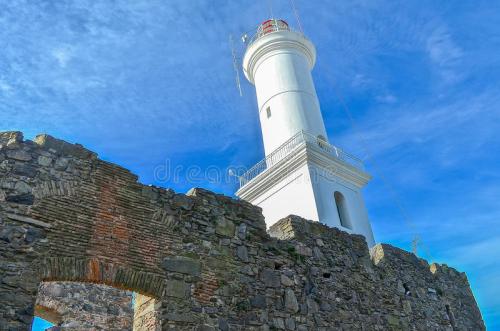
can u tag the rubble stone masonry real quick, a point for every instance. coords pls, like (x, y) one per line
(200, 261)
(84, 306)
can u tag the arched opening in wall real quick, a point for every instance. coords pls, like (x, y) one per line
(87, 306)
(342, 210)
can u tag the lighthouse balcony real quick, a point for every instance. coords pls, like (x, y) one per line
(301, 142)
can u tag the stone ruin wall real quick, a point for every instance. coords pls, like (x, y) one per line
(204, 260)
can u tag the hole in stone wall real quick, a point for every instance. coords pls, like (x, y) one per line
(407, 289)
(277, 266)
(327, 275)
(86, 306)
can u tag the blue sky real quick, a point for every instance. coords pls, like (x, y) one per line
(150, 83)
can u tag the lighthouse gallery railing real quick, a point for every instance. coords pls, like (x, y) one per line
(269, 26)
(286, 149)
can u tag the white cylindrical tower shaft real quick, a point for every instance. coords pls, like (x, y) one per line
(279, 63)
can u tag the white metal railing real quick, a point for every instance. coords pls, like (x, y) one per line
(269, 26)
(286, 149)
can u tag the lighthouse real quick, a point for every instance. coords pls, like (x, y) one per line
(302, 173)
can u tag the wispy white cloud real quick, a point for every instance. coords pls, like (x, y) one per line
(436, 131)
(387, 98)
(63, 55)
(5, 87)
(478, 254)
(445, 54)
(442, 50)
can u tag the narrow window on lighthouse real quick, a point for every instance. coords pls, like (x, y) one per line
(268, 112)
(341, 204)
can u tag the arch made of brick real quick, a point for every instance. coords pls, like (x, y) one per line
(92, 270)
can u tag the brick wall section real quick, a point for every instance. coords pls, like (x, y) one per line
(206, 258)
(205, 291)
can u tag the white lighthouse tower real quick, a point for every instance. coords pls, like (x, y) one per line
(302, 174)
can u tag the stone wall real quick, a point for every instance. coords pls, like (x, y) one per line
(205, 259)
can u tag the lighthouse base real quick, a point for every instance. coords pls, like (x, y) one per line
(313, 183)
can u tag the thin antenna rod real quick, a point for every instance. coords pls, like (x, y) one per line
(271, 8)
(296, 13)
(235, 64)
(414, 245)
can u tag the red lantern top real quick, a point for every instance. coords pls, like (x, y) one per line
(272, 25)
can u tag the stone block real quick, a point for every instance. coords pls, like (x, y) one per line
(291, 303)
(258, 301)
(44, 161)
(10, 138)
(62, 147)
(61, 163)
(242, 231)
(270, 278)
(24, 169)
(22, 188)
(19, 155)
(177, 289)
(286, 281)
(182, 265)
(181, 317)
(23, 199)
(225, 227)
(182, 201)
(242, 253)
